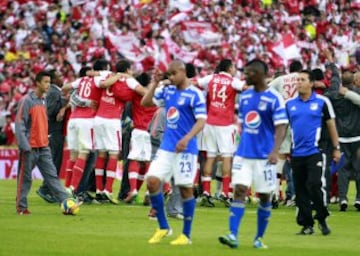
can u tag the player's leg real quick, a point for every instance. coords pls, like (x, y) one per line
(225, 140)
(264, 183)
(211, 152)
(100, 166)
(184, 174)
(48, 171)
(73, 145)
(112, 144)
(316, 184)
(300, 175)
(241, 180)
(160, 170)
(24, 180)
(85, 138)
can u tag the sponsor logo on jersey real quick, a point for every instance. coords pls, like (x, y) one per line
(314, 106)
(172, 115)
(252, 120)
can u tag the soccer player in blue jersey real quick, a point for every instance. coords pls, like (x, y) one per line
(177, 155)
(263, 122)
(307, 162)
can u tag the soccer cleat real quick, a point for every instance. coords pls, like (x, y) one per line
(131, 197)
(324, 228)
(23, 212)
(146, 201)
(306, 230)
(207, 201)
(91, 194)
(110, 197)
(343, 206)
(226, 200)
(229, 240)
(71, 192)
(258, 243)
(159, 235)
(178, 216)
(47, 197)
(181, 240)
(357, 205)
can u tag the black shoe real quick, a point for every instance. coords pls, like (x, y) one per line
(47, 197)
(343, 206)
(207, 201)
(225, 200)
(306, 230)
(357, 205)
(325, 230)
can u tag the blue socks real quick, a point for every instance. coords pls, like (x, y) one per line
(157, 202)
(237, 210)
(188, 211)
(263, 215)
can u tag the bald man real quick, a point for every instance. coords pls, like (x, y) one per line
(177, 154)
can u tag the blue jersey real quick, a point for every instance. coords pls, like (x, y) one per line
(259, 113)
(183, 107)
(306, 118)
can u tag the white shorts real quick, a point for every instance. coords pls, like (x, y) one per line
(107, 134)
(255, 172)
(219, 140)
(285, 146)
(140, 145)
(181, 166)
(80, 134)
(200, 140)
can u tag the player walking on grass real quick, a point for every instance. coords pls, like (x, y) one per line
(307, 161)
(31, 129)
(177, 155)
(263, 119)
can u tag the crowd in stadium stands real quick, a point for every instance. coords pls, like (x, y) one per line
(68, 34)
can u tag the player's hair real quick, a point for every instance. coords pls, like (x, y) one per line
(318, 74)
(101, 64)
(83, 71)
(295, 66)
(190, 70)
(259, 65)
(223, 66)
(144, 79)
(39, 76)
(122, 65)
(309, 73)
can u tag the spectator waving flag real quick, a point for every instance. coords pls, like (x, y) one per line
(202, 33)
(128, 46)
(286, 48)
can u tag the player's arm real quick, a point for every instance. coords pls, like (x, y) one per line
(350, 95)
(70, 86)
(22, 118)
(112, 79)
(197, 127)
(329, 116)
(147, 99)
(279, 137)
(335, 80)
(280, 121)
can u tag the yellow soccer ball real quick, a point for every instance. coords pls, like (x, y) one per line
(70, 207)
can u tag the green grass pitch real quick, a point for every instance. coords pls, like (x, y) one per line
(125, 229)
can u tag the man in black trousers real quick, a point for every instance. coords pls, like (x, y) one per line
(56, 105)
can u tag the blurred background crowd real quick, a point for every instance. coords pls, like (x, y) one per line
(67, 34)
